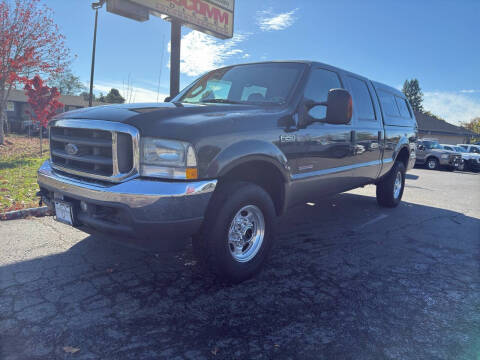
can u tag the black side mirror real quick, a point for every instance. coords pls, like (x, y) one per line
(168, 99)
(420, 147)
(339, 107)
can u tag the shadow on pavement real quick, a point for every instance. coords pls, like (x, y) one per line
(411, 177)
(346, 280)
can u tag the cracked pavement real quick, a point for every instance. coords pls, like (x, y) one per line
(346, 280)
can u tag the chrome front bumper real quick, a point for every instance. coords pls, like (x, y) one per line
(172, 207)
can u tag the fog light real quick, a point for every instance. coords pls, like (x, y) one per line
(83, 206)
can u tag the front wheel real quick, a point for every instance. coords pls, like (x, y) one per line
(238, 231)
(390, 188)
(432, 163)
(461, 166)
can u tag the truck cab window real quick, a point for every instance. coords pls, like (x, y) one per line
(389, 105)
(319, 84)
(362, 101)
(403, 107)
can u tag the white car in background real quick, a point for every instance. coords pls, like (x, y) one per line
(470, 155)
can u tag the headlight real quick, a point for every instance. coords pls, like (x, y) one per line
(168, 159)
(444, 156)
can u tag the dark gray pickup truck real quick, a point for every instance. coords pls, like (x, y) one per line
(227, 156)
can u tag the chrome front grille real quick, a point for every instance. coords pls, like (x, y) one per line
(455, 158)
(95, 149)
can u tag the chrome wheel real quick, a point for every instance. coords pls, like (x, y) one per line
(246, 233)
(432, 164)
(397, 186)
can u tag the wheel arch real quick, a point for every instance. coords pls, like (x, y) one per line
(261, 171)
(403, 155)
(257, 161)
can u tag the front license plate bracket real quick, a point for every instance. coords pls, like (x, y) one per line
(64, 212)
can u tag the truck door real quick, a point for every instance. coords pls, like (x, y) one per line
(367, 136)
(325, 156)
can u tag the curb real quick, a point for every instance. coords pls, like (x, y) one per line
(21, 214)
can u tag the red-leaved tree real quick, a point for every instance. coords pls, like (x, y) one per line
(30, 43)
(43, 101)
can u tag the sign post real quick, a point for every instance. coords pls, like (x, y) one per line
(213, 17)
(175, 45)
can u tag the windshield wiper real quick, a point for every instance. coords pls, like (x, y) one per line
(221, 101)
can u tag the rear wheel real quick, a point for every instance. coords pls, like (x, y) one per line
(432, 163)
(238, 231)
(390, 188)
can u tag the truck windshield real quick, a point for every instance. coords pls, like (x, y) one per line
(432, 145)
(270, 83)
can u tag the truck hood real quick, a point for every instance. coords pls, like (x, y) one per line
(132, 113)
(180, 121)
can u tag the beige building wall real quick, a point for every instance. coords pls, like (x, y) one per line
(445, 139)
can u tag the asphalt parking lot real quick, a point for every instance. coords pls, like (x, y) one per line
(346, 280)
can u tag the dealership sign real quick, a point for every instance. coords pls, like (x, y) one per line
(214, 17)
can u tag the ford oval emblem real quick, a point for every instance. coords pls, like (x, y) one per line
(71, 149)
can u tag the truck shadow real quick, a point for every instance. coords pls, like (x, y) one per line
(337, 267)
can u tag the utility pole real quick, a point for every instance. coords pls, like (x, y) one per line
(95, 6)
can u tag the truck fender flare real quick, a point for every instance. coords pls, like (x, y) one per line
(246, 151)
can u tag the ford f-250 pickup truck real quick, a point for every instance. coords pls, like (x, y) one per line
(227, 156)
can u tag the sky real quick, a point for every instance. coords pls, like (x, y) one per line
(435, 41)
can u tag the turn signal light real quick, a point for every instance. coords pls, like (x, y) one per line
(192, 173)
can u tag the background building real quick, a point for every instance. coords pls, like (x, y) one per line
(18, 109)
(446, 133)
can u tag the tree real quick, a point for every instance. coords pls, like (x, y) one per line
(473, 125)
(411, 89)
(67, 83)
(114, 97)
(30, 43)
(86, 96)
(44, 102)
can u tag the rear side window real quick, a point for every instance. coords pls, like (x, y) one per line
(403, 107)
(362, 101)
(448, 148)
(320, 83)
(389, 105)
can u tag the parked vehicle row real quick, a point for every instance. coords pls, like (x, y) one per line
(470, 155)
(434, 155)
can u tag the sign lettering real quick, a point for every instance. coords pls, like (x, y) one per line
(214, 17)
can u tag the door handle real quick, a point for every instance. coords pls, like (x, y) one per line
(353, 136)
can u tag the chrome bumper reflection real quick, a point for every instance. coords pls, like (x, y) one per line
(149, 200)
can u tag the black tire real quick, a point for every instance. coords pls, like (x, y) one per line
(466, 166)
(432, 163)
(386, 187)
(451, 168)
(212, 245)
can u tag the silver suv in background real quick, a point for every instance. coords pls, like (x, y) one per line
(471, 155)
(431, 154)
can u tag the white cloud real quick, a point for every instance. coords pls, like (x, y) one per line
(469, 91)
(451, 106)
(201, 53)
(268, 21)
(134, 94)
